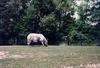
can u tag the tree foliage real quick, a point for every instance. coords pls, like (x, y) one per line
(93, 18)
(53, 18)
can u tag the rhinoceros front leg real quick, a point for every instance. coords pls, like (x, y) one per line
(42, 43)
(28, 42)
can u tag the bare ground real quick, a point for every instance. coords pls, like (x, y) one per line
(6, 54)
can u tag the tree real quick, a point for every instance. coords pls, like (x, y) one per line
(10, 19)
(4, 21)
(76, 31)
(52, 18)
(93, 18)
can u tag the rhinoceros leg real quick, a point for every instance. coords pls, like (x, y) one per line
(28, 42)
(42, 43)
(46, 43)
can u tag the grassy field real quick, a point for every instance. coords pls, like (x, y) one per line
(49, 57)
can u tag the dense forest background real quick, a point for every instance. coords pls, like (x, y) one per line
(58, 20)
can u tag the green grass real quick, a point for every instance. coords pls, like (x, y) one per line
(50, 57)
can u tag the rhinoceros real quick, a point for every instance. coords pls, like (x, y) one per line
(34, 37)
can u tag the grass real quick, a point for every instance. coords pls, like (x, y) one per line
(50, 57)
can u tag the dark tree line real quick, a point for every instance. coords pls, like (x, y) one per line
(53, 18)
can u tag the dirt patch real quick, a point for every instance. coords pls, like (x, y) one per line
(81, 66)
(89, 66)
(6, 54)
(3, 54)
